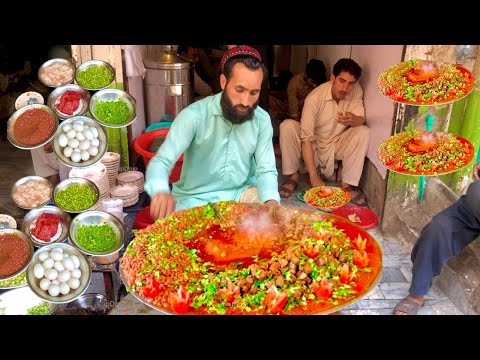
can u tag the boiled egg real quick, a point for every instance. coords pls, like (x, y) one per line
(62, 140)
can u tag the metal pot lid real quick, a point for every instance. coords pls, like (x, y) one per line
(169, 60)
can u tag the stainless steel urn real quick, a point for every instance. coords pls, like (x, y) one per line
(168, 85)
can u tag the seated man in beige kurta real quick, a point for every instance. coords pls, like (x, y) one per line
(331, 128)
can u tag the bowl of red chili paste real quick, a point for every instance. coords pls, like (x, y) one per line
(46, 225)
(16, 252)
(69, 100)
(32, 126)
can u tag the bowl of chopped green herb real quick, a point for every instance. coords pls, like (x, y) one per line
(113, 108)
(95, 75)
(76, 195)
(98, 234)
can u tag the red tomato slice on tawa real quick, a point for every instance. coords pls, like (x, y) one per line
(180, 301)
(275, 300)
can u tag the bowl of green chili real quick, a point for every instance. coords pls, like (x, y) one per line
(98, 234)
(95, 75)
(113, 108)
(76, 195)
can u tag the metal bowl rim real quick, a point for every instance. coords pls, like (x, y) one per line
(118, 224)
(29, 218)
(53, 61)
(83, 164)
(75, 180)
(124, 95)
(85, 65)
(75, 251)
(55, 93)
(17, 113)
(22, 235)
(24, 180)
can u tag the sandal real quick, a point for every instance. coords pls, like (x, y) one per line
(407, 306)
(357, 199)
(286, 191)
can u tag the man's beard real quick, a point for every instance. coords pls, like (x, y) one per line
(231, 113)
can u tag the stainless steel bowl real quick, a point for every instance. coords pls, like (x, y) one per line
(85, 278)
(33, 215)
(13, 118)
(29, 244)
(113, 95)
(26, 179)
(98, 218)
(73, 181)
(102, 138)
(56, 61)
(91, 63)
(59, 91)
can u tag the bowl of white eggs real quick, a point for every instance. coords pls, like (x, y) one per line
(59, 273)
(80, 142)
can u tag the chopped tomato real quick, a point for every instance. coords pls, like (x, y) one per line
(322, 290)
(345, 274)
(230, 291)
(311, 251)
(360, 243)
(325, 191)
(360, 258)
(151, 288)
(180, 301)
(275, 300)
(398, 166)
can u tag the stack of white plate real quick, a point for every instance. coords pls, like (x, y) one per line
(128, 193)
(111, 160)
(134, 178)
(97, 174)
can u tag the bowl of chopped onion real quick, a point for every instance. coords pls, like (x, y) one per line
(113, 108)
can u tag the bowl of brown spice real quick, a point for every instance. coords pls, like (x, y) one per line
(32, 126)
(16, 252)
(31, 192)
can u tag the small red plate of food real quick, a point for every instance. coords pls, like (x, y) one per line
(359, 215)
(326, 198)
(424, 82)
(426, 153)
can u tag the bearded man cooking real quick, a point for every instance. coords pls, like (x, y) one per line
(226, 142)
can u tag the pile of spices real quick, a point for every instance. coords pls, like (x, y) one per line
(33, 127)
(20, 279)
(76, 197)
(96, 238)
(68, 103)
(14, 253)
(95, 77)
(40, 309)
(32, 194)
(113, 112)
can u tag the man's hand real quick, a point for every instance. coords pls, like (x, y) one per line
(348, 119)
(48, 147)
(476, 171)
(272, 203)
(162, 205)
(315, 180)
